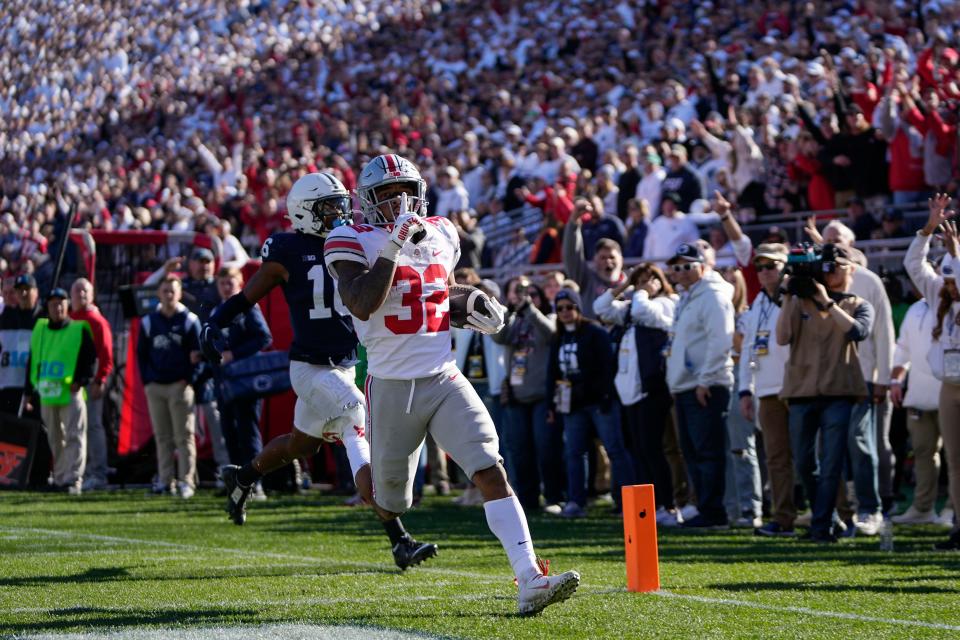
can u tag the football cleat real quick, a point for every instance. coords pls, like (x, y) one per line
(408, 552)
(236, 495)
(543, 590)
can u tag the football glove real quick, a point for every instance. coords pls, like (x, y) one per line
(406, 227)
(490, 322)
(212, 342)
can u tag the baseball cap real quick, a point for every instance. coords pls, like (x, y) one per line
(25, 280)
(568, 294)
(202, 254)
(58, 292)
(771, 251)
(687, 253)
(948, 267)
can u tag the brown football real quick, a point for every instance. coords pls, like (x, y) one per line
(463, 302)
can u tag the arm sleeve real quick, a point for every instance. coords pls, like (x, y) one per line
(720, 149)
(574, 260)
(210, 160)
(343, 244)
(105, 352)
(863, 317)
(155, 277)
(503, 336)
(743, 250)
(888, 118)
(192, 337)
(544, 326)
(656, 313)
(785, 321)
(610, 310)
(883, 333)
(924, 278)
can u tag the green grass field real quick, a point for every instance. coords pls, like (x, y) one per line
(120, 564)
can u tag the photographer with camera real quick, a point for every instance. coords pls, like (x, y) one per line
(823, 323)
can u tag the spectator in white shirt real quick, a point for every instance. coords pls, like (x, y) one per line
(649, 188)
(762, 364)
(451, 194)
(921, 398)
(669, 230)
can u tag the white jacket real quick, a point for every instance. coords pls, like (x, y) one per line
(929, 284)
(876, 352)
(923, 389)
(702, 337)
(762, 375)
(656, 313)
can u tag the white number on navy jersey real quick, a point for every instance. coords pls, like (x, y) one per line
(320, 279)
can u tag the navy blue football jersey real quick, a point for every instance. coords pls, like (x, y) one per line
(322, 325)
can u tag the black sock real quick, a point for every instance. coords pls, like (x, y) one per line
(247, 475)
(395, 531)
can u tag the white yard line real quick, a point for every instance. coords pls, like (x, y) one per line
(479, 576)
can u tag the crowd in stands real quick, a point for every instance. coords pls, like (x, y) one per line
(638, 129)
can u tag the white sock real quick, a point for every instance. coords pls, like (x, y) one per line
(507, 521)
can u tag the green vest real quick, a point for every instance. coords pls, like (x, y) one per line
(53, 359)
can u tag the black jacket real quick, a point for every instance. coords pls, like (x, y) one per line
(589, 350)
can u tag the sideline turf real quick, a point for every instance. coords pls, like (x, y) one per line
(66, 565)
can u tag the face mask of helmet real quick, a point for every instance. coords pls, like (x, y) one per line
(380, 184)
(330, 213)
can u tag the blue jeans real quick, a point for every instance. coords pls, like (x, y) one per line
(703, 437)
(744, 490)
(830, 417)
(864, 460)
(534, 449)
(576, 435)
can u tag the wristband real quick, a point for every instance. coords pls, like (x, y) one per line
(391, 251)
(896, 383)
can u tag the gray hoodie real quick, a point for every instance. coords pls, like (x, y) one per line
(702, 337)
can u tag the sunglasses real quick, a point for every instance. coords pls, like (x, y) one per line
(566, 307)
(771, 266)
(677, 268)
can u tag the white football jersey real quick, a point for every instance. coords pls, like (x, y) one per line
(409, 335)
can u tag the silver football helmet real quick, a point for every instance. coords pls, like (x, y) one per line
(386, 170)
(318, 203)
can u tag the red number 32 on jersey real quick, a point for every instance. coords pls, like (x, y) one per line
(422, 310)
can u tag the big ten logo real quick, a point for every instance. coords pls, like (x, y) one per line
(51, 369)
(14, 358)
(11, 456)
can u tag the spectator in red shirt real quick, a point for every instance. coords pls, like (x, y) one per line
(83, 308)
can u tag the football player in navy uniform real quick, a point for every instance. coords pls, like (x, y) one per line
(330, 407)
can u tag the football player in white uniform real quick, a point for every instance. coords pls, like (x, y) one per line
(329, 406)
(394, 275)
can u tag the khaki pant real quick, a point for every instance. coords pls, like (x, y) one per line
(950, 430)
(67, 434)
(682, 490)
(774, 419)
(171, 412)
(924, 430)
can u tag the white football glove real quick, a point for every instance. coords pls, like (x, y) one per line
(485, 323)
(405, 227)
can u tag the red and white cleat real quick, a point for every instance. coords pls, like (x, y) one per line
(542, 590)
